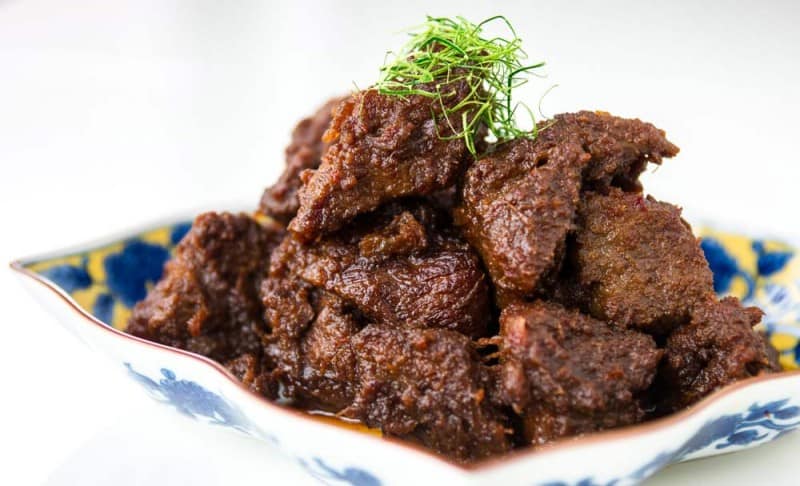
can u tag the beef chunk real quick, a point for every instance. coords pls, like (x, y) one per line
(374, 305)
(517, 206)
(207, 301)
(426, 385)
(381, 147)
(718, 347)
(246, 368)
(397, 266)
(565, 373)
(638, 262)
(250, 370)
(620, 148)
(308, 346)
(304, 152)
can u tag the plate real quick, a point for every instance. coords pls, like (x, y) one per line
(91, 289)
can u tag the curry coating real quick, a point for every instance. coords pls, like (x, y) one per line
(565, 373)
(429, 386)
(718, 347)
(620, 148)
(308, 346)
(382, 147)
(374, 308)
(207, 301)
(399, 266)
(638, 262)
(254, 374)
(518, 204)
(279, 201)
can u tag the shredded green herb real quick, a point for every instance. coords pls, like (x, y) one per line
(443, 51)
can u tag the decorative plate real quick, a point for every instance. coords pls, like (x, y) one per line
(92, 289)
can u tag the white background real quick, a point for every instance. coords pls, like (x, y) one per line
(115, 113)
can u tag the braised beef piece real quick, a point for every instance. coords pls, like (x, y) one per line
(399, 266)
(309, 344)
(254, 374)
(382, 147)
(369, 306)
(566, 373)
(620, 148)
(518, 204)
(304, 152)
(207, 301)
(718, 347)
(427, 385)
(638, 263)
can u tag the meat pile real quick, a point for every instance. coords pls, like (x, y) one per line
(470, 306)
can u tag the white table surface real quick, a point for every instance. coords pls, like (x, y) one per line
(112, 113)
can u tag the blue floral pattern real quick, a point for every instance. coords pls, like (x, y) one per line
(761, 423)
(70, 277)
(194, 401)
(108, 281)
(770, 262)
(130, 271)
(178, 231)
(351, 476)
(725, 267)
(765, 274)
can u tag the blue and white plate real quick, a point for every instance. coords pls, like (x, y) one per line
(91, 289)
